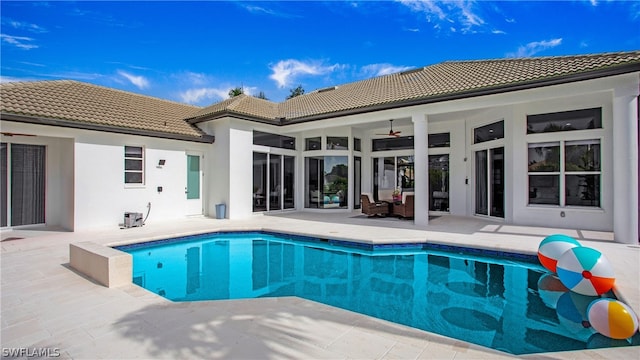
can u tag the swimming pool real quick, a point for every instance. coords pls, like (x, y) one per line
(490, 301)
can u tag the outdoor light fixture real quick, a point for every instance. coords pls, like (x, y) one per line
(161, 162)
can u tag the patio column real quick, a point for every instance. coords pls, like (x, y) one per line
(625, 165)
(421, 166)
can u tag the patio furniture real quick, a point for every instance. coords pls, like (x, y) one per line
(404, 208)
(372, 208)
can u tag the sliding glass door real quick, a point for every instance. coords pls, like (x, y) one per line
(439, 182)
(326, 181)
(23, 184)
(273, 182)
(489, 182)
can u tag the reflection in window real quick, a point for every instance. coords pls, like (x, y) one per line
(274, 140)
(488, 132)
(337, 143)
(544, 189)
(313, 143)
(439, 140)
(581, 173)
(439, 182)
(565, 121)
(544, 157)
(391, 173)
(270, 190)
(326, 181)
(393, 143)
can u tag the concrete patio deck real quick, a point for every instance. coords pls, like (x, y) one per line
(46, 304)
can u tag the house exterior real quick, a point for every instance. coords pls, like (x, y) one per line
(549, 141)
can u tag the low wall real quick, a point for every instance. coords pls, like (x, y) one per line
(107, 266)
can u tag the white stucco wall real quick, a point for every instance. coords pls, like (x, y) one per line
(85, 176)
(102, 197)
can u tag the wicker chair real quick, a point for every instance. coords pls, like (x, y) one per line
(371, 208)
(404, 209)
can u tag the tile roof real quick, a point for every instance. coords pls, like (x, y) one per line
(84, 103)
(94, 105)
(241, 105)
(461, 78)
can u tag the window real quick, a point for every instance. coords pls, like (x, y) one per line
(489, 132)
(326, 182)
(313, 143)
(565, 121)
(439, 140)
(133, 165)
(337, 143)
(396, 172)
(274, 140)
(393, 143)
(357, 144)
(565, 173)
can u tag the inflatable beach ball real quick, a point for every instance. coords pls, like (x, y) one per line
(585, 271)
(612, 318)
(552, 247)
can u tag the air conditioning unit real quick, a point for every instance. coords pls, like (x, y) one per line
(132, 219)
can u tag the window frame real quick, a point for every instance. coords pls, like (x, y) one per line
(141, 159)
(564, 139)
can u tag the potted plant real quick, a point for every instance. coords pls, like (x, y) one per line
(397, 196)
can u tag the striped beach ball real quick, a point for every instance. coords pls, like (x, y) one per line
(612, 318)
(552, 247)
(585, 271)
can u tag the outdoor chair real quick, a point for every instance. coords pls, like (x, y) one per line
(372, 208)
(405, 208)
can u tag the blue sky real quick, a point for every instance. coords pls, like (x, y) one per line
(194, 52)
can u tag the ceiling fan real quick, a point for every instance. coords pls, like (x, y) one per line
(391, 132)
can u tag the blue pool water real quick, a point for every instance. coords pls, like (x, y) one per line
(504, 303)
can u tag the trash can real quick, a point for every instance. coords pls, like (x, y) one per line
(221, 210)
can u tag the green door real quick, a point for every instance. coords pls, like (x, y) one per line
(193, 177)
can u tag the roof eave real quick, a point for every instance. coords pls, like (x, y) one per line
(208, 139)
(233, 114)
(591, 75)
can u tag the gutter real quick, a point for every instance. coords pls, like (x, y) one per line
(207, 139)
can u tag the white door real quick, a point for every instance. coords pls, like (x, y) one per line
(193, 190)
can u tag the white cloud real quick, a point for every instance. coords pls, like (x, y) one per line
(20, 25)
(285, 72)
(21, 42)
(254, 9)
(140, 81)
(205, 95)
(535, 47)
(461, 13)
(382, 69)
(6, 79)
(194, 96)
